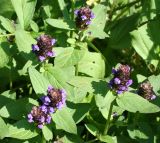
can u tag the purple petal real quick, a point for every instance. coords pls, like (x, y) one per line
(50, 87)
(50, 54)
(92, 15)
(119, 91)
(83, 17)
(53, 41)
(117, 80)
(30, 120)
(51, 110)
(40, 126)
(42, 119)
(42, 58)
(46, 100)
(35, 47)
(153, 97)
(76, 12)
(59, 105)
(44, 108)
(114, 71)
(88, 22)
(129, 82)
(48, 120)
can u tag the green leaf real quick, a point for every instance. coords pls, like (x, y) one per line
(92, 129)
(22, 130)
(69, 57)
(64, 121)
(104, 103)
(59, 23)
(58, 78)
(64, 9)
(24, 10)
(154, 80)
(120, 32)
(91, 85)
(92, 64)
(141, 131)
(71, 138)
(19, 10)
(145, 42)
(28, 11)
(48, 135)
(98, 23)
(39, 83)
(7, 97)
(4, 54)
(14, 109)
(7, 24)
(3, 129)
(80, 111)
(34, 26)
(6, 8)
(133, 103)
(24, 42)
(107, 139)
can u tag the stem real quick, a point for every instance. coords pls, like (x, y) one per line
(91, 141)
(108, 120)
(43, 139)
(72, 16)
(5, 35)
(76, 72)
(95, 48)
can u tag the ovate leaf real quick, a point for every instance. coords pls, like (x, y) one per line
(3, 129)
(39, 83)
(22, 130)
(133, 103)
(63, 120)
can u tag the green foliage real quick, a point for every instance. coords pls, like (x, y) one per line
(124, 31)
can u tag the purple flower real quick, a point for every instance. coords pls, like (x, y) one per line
(83, 17)
(43, 48)
(56, 98)
(145, 90)
(121, 79)
(42, 58)
(35, 47)
(39, 115)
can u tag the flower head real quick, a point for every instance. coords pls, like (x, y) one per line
(121, 80)
(40, 115)
(146, 90)
(83, 17)
(56, 98)
(43, 48)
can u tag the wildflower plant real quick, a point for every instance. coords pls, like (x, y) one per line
(72, 93)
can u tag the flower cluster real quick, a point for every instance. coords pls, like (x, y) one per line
(121, 80)
(43, 48)
(54, 100)
(83, 17)
(146, 90)
(40, 115)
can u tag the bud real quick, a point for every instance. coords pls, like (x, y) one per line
(121, 80)
(56, 98)
(43, 48)
(146, 90)
(40, 116)
(83, 17)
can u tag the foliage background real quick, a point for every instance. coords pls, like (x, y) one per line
(123, 31)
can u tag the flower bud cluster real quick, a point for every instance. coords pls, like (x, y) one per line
(83, 17)
(54, 100)
(43, 48)
(121, 80)
(146, 90)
